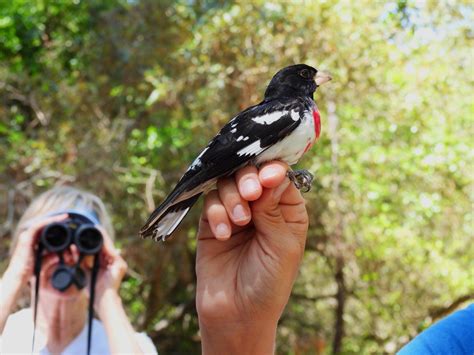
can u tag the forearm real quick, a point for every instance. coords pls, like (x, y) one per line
(240, 339)
(10, 287)
(120, 333)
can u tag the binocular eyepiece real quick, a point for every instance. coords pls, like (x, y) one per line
(58, 237)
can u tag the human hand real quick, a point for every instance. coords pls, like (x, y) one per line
(21, 267)
(111, 272)
(108, 305)
(22, 262)
(248, 256)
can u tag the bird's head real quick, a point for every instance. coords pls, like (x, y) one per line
(296, 80)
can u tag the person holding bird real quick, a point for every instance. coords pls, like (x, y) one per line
(254, 224)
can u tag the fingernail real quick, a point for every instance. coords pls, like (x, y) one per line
(269, 172)
(222, 230)
(239, 213)
(250, 186)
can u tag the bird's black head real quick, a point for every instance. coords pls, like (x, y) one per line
(295, 80)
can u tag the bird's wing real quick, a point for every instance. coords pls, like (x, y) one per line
(246, 136)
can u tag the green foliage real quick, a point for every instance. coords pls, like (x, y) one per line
(119, 96)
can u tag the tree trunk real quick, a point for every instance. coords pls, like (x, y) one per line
(338, 238)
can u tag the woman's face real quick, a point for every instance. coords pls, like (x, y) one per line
(49, 265)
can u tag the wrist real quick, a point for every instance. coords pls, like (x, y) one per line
(14, 279)
(244, 338)
(107, 301)
(10, 286)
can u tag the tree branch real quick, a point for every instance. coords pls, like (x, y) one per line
(27, 101)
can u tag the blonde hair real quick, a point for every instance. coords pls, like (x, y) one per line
(63, 198)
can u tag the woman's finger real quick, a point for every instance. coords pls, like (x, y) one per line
(31, 233)
(237, 208)
(217, 216)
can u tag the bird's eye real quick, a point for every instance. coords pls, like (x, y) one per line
(305, 74)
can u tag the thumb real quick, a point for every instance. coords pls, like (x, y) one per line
(268, 205)
(269, 221)
(277, 192)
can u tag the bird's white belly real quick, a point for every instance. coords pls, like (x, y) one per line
(292, 147)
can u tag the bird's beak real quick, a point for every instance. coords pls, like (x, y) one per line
(321, 78)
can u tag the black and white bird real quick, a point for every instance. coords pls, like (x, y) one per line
(281, 127)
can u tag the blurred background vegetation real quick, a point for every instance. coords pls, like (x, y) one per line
(119, 96)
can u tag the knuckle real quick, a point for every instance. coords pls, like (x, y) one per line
(245, 171)
(123, 266)
(215, 210)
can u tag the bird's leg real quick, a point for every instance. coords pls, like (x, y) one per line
(301, 178)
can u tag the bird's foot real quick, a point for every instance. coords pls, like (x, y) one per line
(301, 178)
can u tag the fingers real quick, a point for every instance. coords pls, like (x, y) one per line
(108, 245)
(217, 216)
(111, 258)
(267, 188)
(248, 183)
(282, 211)
(236, 206)
(119, 266)
(108, 249)
(272, 174)
(29, 235)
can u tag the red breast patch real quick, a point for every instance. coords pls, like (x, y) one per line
(317, 122)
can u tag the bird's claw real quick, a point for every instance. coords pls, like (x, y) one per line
(301, 178)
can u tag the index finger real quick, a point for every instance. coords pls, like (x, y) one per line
(33, 226)
(108, 247)
(272, 173)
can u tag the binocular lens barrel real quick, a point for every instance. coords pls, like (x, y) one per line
(56, 237)
(62, 278)
(88, 239)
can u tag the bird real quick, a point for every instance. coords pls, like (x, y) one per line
(281, 127)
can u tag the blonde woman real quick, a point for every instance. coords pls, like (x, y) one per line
(61, 325)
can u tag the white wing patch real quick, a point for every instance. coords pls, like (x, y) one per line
(242, 138)
(252, 149)
(197, 161)
(169, 223)
(295, 116)
(269, 118)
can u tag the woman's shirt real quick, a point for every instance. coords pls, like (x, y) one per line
(18, 334)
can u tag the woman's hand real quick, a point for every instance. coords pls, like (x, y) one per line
(22, 262)
(250, 242)
(112, 270)
(21, 266)
(108, 305)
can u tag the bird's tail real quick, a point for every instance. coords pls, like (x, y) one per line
(166, 218)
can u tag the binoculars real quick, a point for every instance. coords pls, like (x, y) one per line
(58, 237)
